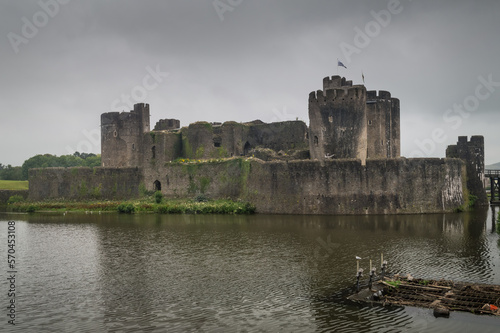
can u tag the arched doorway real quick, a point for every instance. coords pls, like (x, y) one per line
(157, 185)
(247, 148)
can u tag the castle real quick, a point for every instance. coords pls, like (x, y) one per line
(346, 162)
(346, 121)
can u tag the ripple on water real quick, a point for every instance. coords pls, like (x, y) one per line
(259, 273)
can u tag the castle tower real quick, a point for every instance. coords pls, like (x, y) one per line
(472, 153)
(383, 122)
(337, 120)
(122, 137)
(346, 121)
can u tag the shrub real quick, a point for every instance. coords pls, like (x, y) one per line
(201, 198)
(15, 198)
(126, 208)
(472, 200)
(158, 197)
(31, 209)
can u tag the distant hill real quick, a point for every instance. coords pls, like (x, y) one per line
(495, 166)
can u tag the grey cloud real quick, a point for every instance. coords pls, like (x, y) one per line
(264, 56)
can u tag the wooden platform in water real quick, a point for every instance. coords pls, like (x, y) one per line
(440, 295)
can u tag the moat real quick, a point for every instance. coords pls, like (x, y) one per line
(257, 273)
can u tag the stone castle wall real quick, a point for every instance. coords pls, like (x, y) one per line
(84, 183)
(202, 140)
(388, 186)
(6, 194)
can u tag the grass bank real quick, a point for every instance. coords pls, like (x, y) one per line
(148, 205)
(13, 184)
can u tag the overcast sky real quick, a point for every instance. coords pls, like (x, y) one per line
(63, 63)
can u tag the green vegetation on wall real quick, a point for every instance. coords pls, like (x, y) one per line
(96, 192)
(187, 151)
(205, 124)
(200, 152)
(219, 152)
(153, 136)
(204, 183)
(245, 172)
(82, 190)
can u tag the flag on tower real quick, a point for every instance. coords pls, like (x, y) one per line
(339, 63)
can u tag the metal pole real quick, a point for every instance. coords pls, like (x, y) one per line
(383, 268)
(358, 276)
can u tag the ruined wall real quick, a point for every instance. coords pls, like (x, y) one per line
(203, 140)
(338, 123)
(278, 136)
(121, 137)
(472, 153)
(167, 124)
(6, 194)
(84, 183)
(197, 140)
(217, 179)
(383, 122)
(232, 137)
(160, 147)
(388, 186)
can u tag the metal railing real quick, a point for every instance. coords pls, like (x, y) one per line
(491, 173)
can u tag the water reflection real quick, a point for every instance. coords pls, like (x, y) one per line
(152, 273)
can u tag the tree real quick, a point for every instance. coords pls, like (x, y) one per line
(65, 161)
(10, 173)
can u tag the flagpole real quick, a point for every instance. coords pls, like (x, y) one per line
(337, 66)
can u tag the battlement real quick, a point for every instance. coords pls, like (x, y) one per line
(475, 140)
(167, 124)
(115, 118)
(321, 97)
(109, 118)
(382, 94)
(140, 108)
(335, 82)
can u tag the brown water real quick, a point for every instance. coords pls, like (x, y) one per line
(262, 273)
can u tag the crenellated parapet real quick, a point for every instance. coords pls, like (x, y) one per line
(335, 82)
(167, 125)
(345, 94)
(382, 94)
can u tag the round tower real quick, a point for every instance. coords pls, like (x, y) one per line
(122, 137)
(337, 119)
